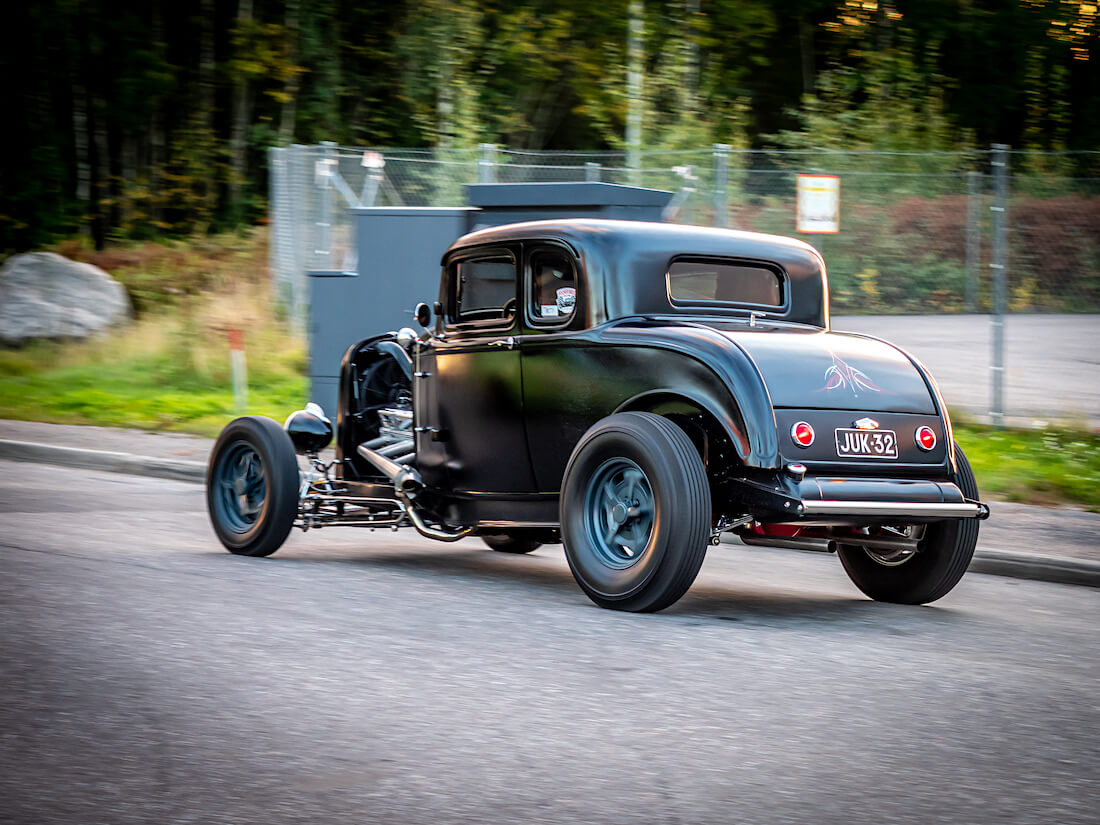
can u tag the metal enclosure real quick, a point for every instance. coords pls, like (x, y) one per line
(501, 203)
(399, 251)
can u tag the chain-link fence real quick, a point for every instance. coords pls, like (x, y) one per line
(915, 228)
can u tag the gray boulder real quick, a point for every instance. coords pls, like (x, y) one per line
(43, 295)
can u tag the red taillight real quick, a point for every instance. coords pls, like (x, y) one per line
(926, 438)
(802, 434)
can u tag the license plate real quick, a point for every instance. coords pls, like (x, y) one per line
(866, 443)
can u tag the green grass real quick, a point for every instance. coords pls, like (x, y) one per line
(169, 370)
(1051, 466)
(161, 388)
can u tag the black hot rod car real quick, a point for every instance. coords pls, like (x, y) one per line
(632, 390)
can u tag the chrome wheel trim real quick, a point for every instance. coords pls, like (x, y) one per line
(896, 558)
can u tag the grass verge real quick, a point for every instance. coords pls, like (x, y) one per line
(169, 370)
(1050, 466)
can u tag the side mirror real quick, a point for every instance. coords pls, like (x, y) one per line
(423, 314)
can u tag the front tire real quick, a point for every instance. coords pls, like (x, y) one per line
(252, 486)
(930, 573)
(635, 512)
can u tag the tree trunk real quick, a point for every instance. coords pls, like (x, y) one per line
(238, 138)
(80, 141)
(207, 194)
(691, 9)
(445, 104)
(806, 47)
(290, 88)
(206, 64)
(157, 136)
(100, 169)
(128, 157)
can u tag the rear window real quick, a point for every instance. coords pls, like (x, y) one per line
(693, 281)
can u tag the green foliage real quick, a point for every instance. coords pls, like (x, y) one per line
(884, 103)
(150, 120)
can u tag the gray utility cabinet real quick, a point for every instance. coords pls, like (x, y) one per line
(501, 203)
(399, 251)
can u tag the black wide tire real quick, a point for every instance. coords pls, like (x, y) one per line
(264, 449)
(944, 555)
(677, 529)
(511, 543)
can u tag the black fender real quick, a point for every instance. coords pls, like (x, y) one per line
(699, 416)
(736, 396)
(386, 344)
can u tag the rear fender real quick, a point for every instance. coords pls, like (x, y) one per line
(735, 394)
(702, 419)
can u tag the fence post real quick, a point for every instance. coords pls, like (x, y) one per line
(973, 238)
(999, 265)
(721, 184)
(635, 51)
(323, 174)
(591, 171)
(487, 163)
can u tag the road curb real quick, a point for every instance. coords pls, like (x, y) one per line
(175, 469)
(1034, 566)
(1057, 569)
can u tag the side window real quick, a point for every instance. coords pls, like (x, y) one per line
(708, 281)
(553, 286)
(485, 288)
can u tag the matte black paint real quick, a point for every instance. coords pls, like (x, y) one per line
(499, 407)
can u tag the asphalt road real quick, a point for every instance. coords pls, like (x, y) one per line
(147, 676)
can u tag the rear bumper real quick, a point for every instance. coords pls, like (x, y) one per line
(896, 509)
(827, 501)
(831, 499)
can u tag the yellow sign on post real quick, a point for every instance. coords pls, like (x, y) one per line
(818, 204)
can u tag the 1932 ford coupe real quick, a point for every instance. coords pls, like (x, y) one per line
(632, 390)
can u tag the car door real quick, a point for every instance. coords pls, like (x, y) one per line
(558, 378)
(469, 391)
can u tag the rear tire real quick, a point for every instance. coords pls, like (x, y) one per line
(252, 486)
(635, 512)
(511, 543)
(929, 574)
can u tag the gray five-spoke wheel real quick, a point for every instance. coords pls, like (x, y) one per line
(241, 486)
(618, 512)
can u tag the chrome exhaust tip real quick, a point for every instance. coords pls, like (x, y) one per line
(406, 480)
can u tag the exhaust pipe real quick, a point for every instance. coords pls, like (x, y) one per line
(821, 545)
(395, 448)
(407, 483)
(433, 532)
(790, 542)
(406, 480)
